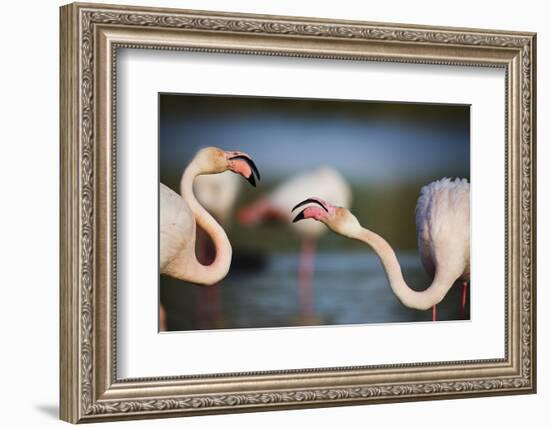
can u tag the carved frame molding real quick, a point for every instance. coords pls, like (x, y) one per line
(90, 37)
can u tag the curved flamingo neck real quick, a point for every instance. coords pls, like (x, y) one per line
(197, 272)
(420, 300)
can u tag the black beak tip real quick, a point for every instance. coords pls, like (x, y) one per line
(257, 172)
(298, 217)
(251, 180)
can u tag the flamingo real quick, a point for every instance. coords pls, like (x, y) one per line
(180, 215)
(443, 234)
(217, 194)
(327, 183)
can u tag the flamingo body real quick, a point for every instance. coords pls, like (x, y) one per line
(177, 226)
(443, 227)
(443, 233)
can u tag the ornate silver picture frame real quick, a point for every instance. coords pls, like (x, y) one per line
(91, 36)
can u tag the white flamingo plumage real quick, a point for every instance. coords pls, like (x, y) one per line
(325, 182)
(180, 215)
(443, 232)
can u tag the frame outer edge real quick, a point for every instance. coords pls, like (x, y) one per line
(533, 112)
(77, 282)
(68, 227)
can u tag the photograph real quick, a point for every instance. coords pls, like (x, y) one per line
(290, 212)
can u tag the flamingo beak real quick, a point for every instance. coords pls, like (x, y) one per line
(251, 179)
(307, 201)
(301, 216)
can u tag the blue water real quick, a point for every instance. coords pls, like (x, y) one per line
(347, 288)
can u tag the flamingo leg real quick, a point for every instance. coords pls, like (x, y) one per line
(306, 267)
(201, 312)
(209, 307)
(216, 306)
(463, 302)
(434, 313)
(162, 318)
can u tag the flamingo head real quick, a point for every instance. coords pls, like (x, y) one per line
(215, 160)
(338, 219)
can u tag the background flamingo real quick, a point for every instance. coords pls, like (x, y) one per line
(443, 233)
(180, 215)
(217, 194)
(325, 182)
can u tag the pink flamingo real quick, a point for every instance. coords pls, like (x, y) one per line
(326, 182)
(180, 215)
(443, 232)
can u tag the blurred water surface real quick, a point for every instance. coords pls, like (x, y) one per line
(348, 288)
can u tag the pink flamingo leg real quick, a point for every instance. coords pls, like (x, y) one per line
(209, 307)
(463, 303)
(216, 308)
(307, 263)
(201, 312)
(434, 313)
(162, 319)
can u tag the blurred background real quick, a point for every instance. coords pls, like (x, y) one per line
(382, 153)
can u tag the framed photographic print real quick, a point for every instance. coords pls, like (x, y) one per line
(265, 212)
